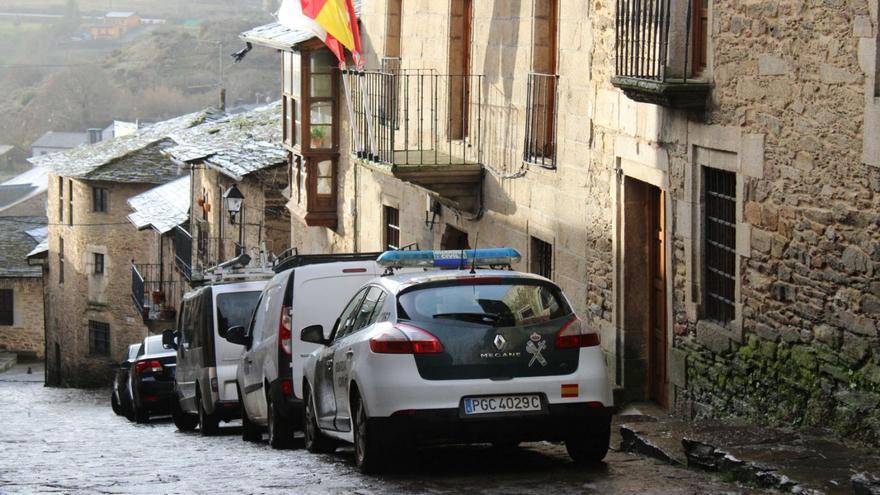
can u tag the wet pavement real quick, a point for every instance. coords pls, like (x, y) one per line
(69, 441)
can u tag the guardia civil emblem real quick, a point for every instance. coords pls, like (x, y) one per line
(535, 345)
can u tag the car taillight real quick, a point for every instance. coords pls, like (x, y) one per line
(287, 387)
(284, 333)
(406, 339)
(574, 335)
(142, 367)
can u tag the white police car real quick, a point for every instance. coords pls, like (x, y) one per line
(456, 356)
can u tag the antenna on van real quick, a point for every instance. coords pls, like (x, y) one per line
(474, 263)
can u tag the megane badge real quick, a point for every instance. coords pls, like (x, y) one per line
(500, 341)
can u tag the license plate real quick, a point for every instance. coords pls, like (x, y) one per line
(502, 404)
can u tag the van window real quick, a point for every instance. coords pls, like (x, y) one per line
(235, 309)
(185, 325)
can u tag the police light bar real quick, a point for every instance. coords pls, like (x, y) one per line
(457, 258)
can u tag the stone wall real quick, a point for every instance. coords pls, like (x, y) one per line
(26, 334)
(85, 295)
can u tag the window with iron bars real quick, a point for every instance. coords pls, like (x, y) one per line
(542, 258)
(719, 250)
(392, 228)
(99, 338)
(540, 144)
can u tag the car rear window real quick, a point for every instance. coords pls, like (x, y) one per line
(234, 309)
(516, 303)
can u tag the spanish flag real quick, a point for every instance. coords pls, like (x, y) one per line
(332, 21)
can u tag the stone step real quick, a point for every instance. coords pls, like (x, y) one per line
(795, 461)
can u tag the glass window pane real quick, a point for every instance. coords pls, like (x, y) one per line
(287, 71)
(325, 186)
(322, 136)
(325, 168)
(322, 86)
(296, 70)
(323, 61)
(322, 112)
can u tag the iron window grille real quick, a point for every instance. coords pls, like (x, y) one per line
(392, 228)
(99, 199)
(542, 258)
(7, 309)
(99, 264)
(70, 202)
(540, 137)
(99, 338)
(60, 261)
(720, 245)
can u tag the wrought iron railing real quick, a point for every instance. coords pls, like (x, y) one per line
(416, 117)
(211, 251)
(644, 48)
(540, 139)
(151, 293)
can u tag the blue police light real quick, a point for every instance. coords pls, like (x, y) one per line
(457, 258)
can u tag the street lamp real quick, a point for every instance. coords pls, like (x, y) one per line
(233, 199)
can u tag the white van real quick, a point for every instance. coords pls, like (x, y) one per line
(206, 362)
(310, 290)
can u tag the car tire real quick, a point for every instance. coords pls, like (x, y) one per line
(280, 431)
(370, 455)
(315, 441)
(250, 431)
(208, 423)
(589, 448)
(117, 409)
(140, 416)
(183, 421)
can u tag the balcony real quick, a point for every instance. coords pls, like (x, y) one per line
(151, 295)
(660, 52)
(421, 127)
(183, 251)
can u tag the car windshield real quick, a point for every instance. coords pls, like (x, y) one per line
(517, 303)
(154, 346)
(234, 309)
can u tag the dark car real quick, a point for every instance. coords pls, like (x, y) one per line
(120, 399)
(151, 380)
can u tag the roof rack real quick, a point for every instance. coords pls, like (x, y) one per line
(236, 270)
(298, 260)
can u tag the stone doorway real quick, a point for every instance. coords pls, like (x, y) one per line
(644, 300)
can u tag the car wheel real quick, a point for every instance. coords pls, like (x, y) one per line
(140, 416)
(182, 420)
(315, 441)
(208, 423)
(589, 448)
(369, 451)
(280, 432)
(250, 432)
(115, 404)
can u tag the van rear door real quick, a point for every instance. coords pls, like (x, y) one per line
(234, 305)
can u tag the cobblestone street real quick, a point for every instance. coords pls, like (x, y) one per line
(69, 441)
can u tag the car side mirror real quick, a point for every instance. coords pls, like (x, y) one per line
(237, 335)
(125, 365)
(313, 334)
(169, 339)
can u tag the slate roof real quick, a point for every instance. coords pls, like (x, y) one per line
(136, 157)
(16, 244)
(23, 187)
(162, 208)
(5, 148)
(61, 140)
(274, 35)
(235, 146)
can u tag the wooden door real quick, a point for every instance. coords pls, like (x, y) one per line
(657, 366)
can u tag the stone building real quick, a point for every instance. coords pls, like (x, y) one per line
(21, 286)
(25, 194)
(90, 317)
(700, 177)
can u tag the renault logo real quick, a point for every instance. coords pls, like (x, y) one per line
(500, 341)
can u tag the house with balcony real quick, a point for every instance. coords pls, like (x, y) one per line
(700, 177)
(91, 246)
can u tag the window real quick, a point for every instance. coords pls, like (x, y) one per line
(60, 261)
(99, 338)
(700, 29)
(542, 258)
(392, 228)
(542, 86)
(292, 80)
(60, 200)
(7, 313)
(99, 264)
(346, 321)
(365, 313)
(720, 245)
(99, 199)
(70, 201)
(322, 72)
(460, 34)
(234, 309)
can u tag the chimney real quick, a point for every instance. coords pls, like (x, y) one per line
(222, 99)
(95, 135)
